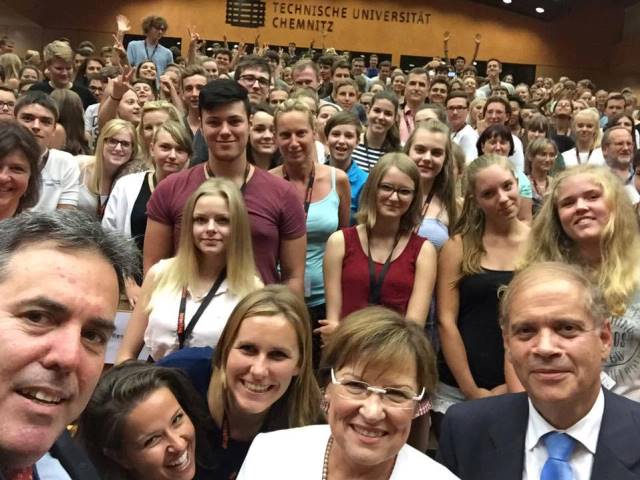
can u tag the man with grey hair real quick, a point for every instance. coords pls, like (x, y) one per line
(566, 425)
(60, 279)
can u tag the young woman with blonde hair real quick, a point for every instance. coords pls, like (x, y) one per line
(116, 146)
(586, 125)
(473, 264)
(589, 221)
(261, 378)
(186, 300)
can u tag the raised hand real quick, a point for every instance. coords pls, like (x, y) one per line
(123, 23)
(477, 38)
(447, 36)
(122, 83)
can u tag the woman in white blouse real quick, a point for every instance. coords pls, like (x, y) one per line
(186, 300)
(586, 125)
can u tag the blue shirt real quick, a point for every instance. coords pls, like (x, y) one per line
(159, 55)
(357, 179)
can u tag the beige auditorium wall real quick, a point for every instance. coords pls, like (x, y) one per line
(579, 45)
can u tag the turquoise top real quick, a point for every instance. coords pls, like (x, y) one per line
(322, 221)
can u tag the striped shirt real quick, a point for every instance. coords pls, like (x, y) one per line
(366, 157)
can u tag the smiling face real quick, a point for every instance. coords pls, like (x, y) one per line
(211, 225)
(226, 130)
(497, 145)
(457, 110)
(395, 193)
(55, 320)
(555, 346)
(582, 209)
(159, 439)
(428, 150)
(15, 172)
(342, 141)
(367, 432)
(496, 113)
(496, 193)
(262, 135)
(129, 107)
(117, 150)
(381, 116)
(262, 363)
(148, 70)
(417, 88)
(619, 149)
(256, 81)
(294, 136)
(543, 161)
(438, 93)
(398, 84)
(191, 87)
(144, 92)
(586, 127)
(168, 156)
(40, 122)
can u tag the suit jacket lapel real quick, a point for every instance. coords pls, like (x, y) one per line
(508, 441)
(617, 449)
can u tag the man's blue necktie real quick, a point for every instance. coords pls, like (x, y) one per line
(557, 467)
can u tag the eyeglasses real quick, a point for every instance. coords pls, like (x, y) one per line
(114, 142)
(9, 105)
(251, 79)
(388, 190)
(456, 108)
(357, 390)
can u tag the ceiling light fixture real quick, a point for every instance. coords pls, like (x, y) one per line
(506, 1)
(539, 9)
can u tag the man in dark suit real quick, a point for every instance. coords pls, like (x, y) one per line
(60, 277)
(566, 426)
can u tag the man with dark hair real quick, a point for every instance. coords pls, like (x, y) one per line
(254, 74)
(222, 56)
(458, 65)
(372, 70)
(60, 172)
(566, 424)
(275, 212)
(154, 28)
(439, 90)
(415, 94)
(194, 78)
(494, 69)
(614, 105)
(325, 63)
(357, 71)
(384, 75)
(462, 133)
(60, 280)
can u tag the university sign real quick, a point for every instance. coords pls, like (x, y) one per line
(314, 17)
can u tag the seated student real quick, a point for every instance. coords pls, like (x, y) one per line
(566, 425)
(60, 173)
(276, 215)
(377, 369)
(146, 422)
(199, 287)
(261, 378)
(58, 59)
(403, 264)
(19, 169)
(342, 131)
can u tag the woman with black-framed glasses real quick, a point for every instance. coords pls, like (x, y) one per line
(378, 371)
(381, 261)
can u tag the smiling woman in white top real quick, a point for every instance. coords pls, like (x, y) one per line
(185, 301)
(586, 124)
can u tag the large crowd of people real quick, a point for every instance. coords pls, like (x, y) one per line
(333, 270)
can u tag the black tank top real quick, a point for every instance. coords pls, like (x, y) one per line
(480, 329)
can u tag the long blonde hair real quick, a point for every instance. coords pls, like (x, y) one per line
(471, 223)
(113, 127)
(617, 274)
(300, 404)
(184, 267)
